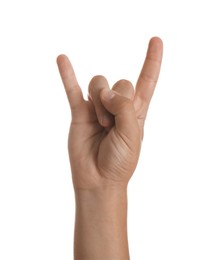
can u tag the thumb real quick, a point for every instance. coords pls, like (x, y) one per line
(123, 109)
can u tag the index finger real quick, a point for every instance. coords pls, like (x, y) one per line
(70, 83)
(150, 72)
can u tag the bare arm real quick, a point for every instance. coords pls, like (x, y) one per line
(101, 225)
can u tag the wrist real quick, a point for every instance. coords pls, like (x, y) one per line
(101, 197)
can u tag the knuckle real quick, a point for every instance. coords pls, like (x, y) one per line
(96, 82)
(125, 88)
(148, 78)
(153, 57)
(98, 78)
(124, 82)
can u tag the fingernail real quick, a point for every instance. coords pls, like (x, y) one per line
(108, 94)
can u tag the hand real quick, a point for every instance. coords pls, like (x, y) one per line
(106, 133)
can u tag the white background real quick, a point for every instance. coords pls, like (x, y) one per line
(170, 195)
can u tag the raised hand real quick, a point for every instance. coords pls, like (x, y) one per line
(107, 129)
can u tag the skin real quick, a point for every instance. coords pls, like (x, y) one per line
(104, 144)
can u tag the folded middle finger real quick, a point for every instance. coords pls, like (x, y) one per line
(96, 85)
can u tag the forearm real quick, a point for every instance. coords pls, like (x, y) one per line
(101, 225)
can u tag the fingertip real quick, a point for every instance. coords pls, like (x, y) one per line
(61, 58)
(155, 49)
(155, 44)
(156, 40)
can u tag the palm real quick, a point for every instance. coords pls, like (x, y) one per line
(94, 149)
